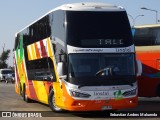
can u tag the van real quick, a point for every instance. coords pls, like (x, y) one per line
(5, 74)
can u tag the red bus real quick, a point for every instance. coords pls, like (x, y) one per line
(147, 41)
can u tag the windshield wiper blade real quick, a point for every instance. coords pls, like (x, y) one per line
(105, 71)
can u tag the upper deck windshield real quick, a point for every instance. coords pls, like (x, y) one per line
(101, 69)
(98, 29)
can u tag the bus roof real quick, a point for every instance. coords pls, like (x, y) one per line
(90, 6)
(85, 6)
(147, 26)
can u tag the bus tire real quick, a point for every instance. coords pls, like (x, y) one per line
(51, 102)
(25, 97)
(158, 91)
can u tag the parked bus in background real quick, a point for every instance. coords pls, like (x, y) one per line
(147, 41)
(78, 57)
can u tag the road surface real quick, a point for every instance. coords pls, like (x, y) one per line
(12, 102)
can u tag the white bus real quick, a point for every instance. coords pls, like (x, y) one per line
(86, 54)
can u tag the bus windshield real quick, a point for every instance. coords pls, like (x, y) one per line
(98, 29)
(101, 67)
(7, 72)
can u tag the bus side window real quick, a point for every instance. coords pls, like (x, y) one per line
(41, 69)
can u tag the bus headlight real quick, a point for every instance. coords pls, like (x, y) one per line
(78, 94)
(130, 93)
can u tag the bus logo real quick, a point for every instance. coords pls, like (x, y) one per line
(101, 93)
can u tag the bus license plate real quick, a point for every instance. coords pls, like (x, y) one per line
(106, 107)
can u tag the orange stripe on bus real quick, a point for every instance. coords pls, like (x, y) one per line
(37, 51)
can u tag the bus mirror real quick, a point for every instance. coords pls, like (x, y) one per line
(139, 68)
(61, 68)
(62, 56)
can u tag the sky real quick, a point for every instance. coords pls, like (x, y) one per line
(17, 14)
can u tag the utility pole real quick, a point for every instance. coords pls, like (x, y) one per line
(144, 8)
(3, 47)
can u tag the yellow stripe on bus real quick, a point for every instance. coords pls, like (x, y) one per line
(29, 53)
(50, 53)
(40, 91)
(33, 52)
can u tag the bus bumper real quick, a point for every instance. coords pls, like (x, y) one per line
(101, 105)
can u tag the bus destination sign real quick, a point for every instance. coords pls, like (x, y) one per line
(102, 42)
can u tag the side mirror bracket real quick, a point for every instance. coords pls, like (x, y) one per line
(62, 70)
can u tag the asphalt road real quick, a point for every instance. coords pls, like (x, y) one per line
(12, 102)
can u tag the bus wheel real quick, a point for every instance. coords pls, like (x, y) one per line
(25, 97)
(158, 91)
(51, 101)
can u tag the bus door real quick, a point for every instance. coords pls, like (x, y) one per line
(58, 86)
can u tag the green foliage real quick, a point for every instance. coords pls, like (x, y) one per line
(3, 58)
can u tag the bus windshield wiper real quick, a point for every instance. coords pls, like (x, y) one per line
(104, 72)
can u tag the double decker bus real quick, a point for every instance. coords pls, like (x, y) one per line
(147, 41)
(78, 57)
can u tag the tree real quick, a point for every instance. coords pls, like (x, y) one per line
(3, 58)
